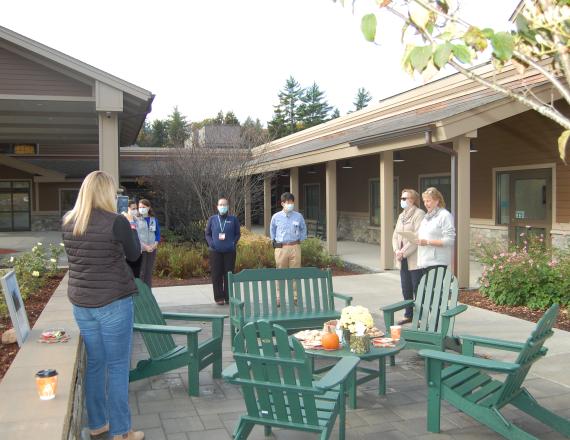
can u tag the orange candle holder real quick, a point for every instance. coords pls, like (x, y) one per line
(46, 383)
(396, 332)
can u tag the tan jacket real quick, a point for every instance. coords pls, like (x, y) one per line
(410, 249)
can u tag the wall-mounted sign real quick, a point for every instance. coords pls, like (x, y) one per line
(15, 306)
(519, 214)
(24, 148)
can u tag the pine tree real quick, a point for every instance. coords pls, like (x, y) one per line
(231, 119)
(219, 119)
(335, 113)
(314, 109)
(286, 113)
(362, 99)
(178, 129)
(144, 138)
(159, 136)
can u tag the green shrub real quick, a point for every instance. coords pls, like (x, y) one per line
(314, 254)
(528, 274)
(180, 261)
(254, 252)
(33, 268)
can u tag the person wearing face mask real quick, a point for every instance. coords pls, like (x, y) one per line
(133, 216)
(287, 230)
(405, 251)
(149, 236)
(222, 235)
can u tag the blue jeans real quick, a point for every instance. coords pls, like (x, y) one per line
(107, 333)
(410, 280)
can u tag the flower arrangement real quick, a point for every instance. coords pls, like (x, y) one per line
(352, 315)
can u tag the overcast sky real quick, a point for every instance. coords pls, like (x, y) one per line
(229, 54)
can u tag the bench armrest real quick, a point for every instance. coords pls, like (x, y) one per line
(338, 374)
(237, 303)
(346, 298)
(167, 329)
(469, 343)
(230, 372)
(193, 317)
(470, 361)
(454, 311)
(397, 306)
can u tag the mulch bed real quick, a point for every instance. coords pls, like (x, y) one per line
(476, 299)
(7, 251)
(167, 282)
(34, 305)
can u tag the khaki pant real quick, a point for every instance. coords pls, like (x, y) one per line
(288, 257)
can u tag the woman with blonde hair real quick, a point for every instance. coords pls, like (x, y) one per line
(436, 235)
(405, 250)
(100, 287)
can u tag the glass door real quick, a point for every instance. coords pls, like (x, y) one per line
(15, 206)
(530, 204)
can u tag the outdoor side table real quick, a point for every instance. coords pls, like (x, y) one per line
(375, 353)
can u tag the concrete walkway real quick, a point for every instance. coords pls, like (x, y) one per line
(163, 410)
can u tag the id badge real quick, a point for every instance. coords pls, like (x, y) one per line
(222, 236)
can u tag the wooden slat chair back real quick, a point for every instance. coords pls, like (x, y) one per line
(147, 311)
(531, 352)
(435, 308)
(437, 293)
(164, 353)
(464, 381)
(306, 297)
(278, 385)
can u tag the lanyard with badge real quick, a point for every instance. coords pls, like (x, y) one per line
(222, 235)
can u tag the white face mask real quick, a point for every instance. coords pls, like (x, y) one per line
(143, 211)
(134, 211)
(404, 204)
(289, 207)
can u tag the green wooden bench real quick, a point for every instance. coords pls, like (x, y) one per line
(464, 381)
(435, 308)
(253, 296)
(278, 385)
(164, 354)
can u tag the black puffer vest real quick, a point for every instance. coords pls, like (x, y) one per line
(98, 270)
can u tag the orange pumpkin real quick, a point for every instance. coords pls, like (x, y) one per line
(330, 341)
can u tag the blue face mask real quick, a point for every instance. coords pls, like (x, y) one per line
(222, 209)
(404, 204)
(289, 207)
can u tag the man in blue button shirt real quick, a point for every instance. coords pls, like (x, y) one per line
(287, 230)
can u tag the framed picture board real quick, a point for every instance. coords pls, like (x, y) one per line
(15, 305)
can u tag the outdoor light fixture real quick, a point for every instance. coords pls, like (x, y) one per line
(472, 147)
(346, 165)
(312, 170)
(398, 157)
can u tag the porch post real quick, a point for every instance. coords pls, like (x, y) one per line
(247, 203)
(108, 104)
(386, 210)
(266, 204)
(463, 208)
(294, 185)
(109, 144)
(331, 207)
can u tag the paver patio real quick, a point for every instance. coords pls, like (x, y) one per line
(162, 408)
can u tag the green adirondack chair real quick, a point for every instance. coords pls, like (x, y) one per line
(279, 387)
(435, 308)
(465, 383)
(164, 354)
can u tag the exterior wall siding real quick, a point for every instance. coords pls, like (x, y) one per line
(20, 76)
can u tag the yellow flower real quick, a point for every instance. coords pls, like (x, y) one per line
(35, 273)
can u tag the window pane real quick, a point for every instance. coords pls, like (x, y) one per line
(5, 221)
(530, 199)
(21, 220)
(21, 202)
(5, 202)
(442, 183)
(503, 208)
(5, 184)
(25, 185)
(68, 198)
